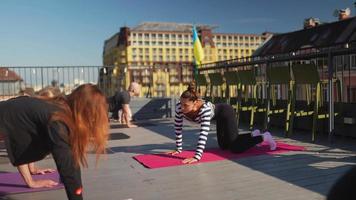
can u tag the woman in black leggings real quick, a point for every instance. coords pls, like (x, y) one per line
(194, 109)
(227, 132)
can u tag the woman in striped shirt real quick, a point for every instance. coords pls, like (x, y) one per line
(194, 109)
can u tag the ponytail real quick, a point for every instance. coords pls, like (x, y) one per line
(190, 93)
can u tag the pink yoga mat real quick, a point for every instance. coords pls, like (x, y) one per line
(153, 161)
(12, 183)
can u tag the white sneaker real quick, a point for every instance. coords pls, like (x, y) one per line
(256, 132)
(267, 137)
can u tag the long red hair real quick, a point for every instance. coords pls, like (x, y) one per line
(85, 112)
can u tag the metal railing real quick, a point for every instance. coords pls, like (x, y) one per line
(16, 79)
(329, 69)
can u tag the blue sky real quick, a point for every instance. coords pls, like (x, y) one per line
(72, 32)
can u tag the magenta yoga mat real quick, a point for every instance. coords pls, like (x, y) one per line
(153, 161)
(12, 183)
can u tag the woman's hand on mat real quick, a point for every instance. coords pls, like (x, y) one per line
(42, 183)
(42, 171)
(173, 152)
(189, 160)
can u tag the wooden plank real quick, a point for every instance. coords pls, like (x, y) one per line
(289, 176)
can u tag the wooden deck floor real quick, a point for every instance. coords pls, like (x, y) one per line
(289, 176)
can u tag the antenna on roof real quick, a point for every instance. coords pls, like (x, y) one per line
(347, 11)
(342, 13)
(336, 12)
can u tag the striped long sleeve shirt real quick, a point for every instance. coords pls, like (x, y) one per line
(206, 113)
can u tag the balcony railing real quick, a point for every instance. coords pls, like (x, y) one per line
(15, 79)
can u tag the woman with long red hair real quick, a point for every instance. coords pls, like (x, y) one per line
(65, 126)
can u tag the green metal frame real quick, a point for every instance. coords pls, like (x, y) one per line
(216, 80)
(278, 75)
(246, 78)
(307, 75)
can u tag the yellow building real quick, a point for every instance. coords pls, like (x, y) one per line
(159, 56)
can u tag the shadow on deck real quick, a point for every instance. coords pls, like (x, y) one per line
(315, 169)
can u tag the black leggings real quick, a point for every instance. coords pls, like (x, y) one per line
(228, 133)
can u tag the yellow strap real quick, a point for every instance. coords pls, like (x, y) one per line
(318, 94)
(254, 92)
(307, 89)
(321, 95)
(245, 89)
(273, 91)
